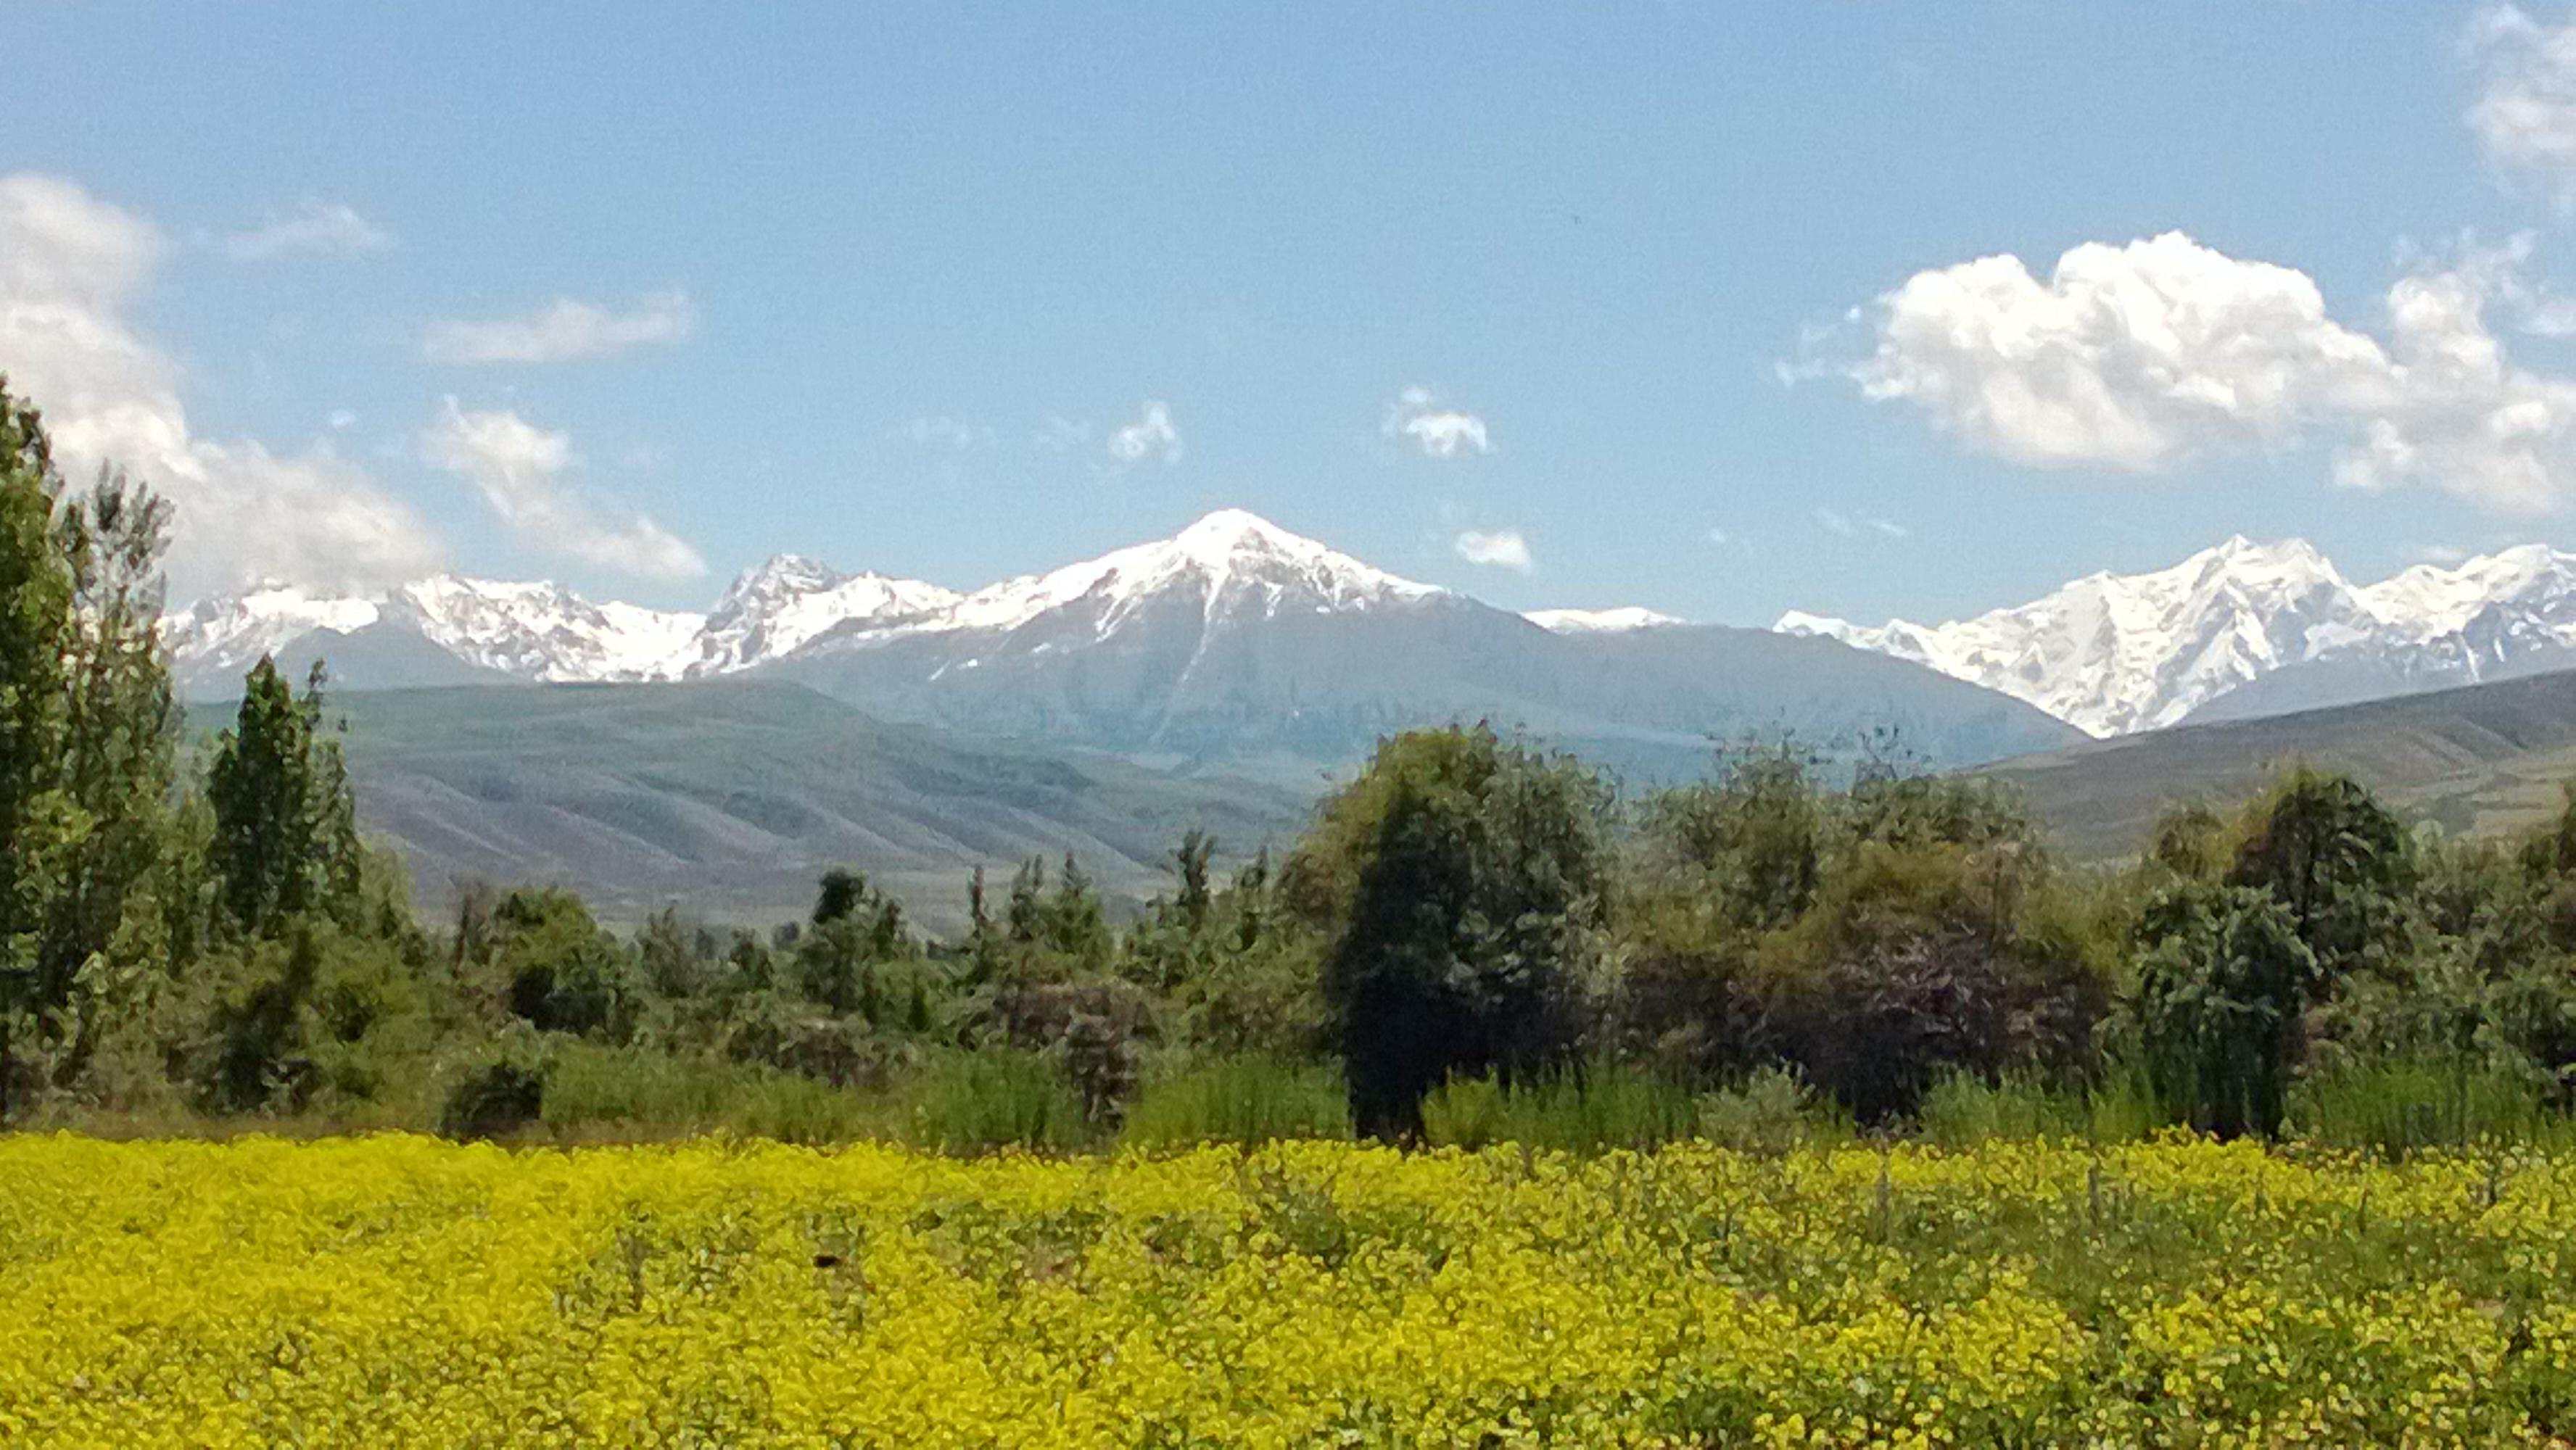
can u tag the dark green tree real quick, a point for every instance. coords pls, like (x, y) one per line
(86, 745)
(559, 971)
(1190, 867)
(2340, 862)
(37, 822)
(1464, 880)
(286, 837)
(2223, 981)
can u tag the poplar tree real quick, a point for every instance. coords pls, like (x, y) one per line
(286, 836)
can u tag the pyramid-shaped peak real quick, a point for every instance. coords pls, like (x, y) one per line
(778, 575)
(2238, 546)
(796, 568)
(1232, 530)
(2256, 560)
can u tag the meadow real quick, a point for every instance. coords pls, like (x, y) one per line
(397, 1289)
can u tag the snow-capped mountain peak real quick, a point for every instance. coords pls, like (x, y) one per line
(2113, 653)
(1619, 620)
(541, 630)
(1221, 561)
(229, 634)
(778, 606)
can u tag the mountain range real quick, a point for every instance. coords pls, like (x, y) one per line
(1233, 645)
(2245, 630)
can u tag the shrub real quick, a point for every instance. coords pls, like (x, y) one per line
(496, 1097)
(1771, 1111)
(1913, 963)
(562, 973)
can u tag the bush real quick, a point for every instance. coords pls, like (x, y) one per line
(562, 973)
(1914, 963)
(497, 1097)
(1244, 1099)
(1772, 1111)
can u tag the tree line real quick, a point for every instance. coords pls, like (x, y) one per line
(215, 939)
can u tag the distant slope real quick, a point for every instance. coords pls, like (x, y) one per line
(1187, 675)
(730, 796)
(2481, 758)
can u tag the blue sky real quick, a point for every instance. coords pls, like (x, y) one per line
(884, 285)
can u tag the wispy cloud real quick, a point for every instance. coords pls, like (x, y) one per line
(318, 227)
(940, 431)
(1503, 549)
(2525, 113)
(1152, 435)
(562, 331)
(1417, 417)
(70, 266)
(1060, 434)
(518, 467)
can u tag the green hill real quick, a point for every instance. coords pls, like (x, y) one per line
(2480, 758)
(730, 797)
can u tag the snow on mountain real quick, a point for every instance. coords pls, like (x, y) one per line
(2114, 653)
(542, 631)
(1229, 562)
(1600, 621)
(774, 609)
(229, 634)
(1229, 556)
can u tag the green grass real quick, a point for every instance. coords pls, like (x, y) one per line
(1964, 1109)
(2397, 1106)
(974, 1102)
(1249, 1099)
(1605, 1105)
(594, 1091)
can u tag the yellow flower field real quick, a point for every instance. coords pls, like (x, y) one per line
(400, 1290)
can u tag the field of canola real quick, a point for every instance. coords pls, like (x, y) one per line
(399, 1290)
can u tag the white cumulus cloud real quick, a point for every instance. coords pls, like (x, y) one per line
(70, 266)
(1152, 435)
(1439, 432)
(519, 466)
(562, 331)
(1504, 549)
(327, 228)
(2142, 356)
